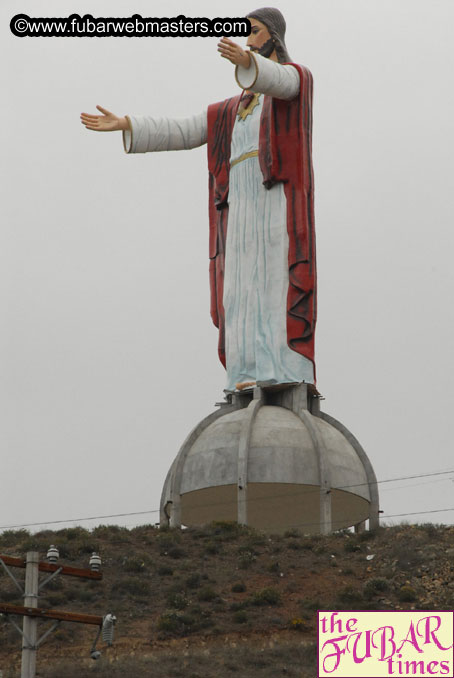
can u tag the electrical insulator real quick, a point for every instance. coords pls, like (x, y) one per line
(108, 628)
(95, 562)
(53, 554)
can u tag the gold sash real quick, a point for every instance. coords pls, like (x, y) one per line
(249, 154)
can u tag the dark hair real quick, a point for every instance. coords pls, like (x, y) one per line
(273, 19)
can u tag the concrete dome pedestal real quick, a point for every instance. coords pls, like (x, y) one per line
(269, 458)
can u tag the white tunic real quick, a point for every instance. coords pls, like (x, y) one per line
(256, 260)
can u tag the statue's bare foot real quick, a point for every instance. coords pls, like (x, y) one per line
(245, 384)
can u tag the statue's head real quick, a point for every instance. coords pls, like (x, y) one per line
(268, 33)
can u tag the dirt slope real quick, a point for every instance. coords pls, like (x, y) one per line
(221, 600)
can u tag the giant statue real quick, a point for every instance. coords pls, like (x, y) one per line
(261, 211)
(267, 456)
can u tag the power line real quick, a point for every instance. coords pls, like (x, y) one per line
(138, 513)
(393, 515)
(119, 515)
(77, 520)
(416, 513)
(421, 475)
(404, 487)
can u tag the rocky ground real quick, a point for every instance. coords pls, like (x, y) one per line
(221, 600)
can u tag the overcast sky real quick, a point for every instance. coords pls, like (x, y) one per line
(108, 353)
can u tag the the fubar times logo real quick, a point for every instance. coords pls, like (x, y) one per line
(369, 644)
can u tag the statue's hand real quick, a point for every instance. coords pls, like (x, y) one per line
(107, 122)
(234, 53)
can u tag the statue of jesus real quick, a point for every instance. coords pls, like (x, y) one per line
(261, 212)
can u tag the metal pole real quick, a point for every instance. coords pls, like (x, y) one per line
(30, 627)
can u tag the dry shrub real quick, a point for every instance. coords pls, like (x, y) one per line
(266, 596)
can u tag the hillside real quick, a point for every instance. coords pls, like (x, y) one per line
(221, 601)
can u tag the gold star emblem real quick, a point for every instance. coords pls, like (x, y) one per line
(244, 111)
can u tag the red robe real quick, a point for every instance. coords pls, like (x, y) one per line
(285, 154)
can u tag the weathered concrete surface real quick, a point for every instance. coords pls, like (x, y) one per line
(271, 467)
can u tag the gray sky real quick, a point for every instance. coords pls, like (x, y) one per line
(101, 379)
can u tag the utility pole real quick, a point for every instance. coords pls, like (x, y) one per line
(30, 624)
(32, 613)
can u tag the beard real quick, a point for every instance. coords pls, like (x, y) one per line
(266, 49)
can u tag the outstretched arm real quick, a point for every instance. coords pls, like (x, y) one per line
(145, 133)
(107, 122)
(259, 74)
(234, 53)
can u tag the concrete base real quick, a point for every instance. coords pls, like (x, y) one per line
(271, 459)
